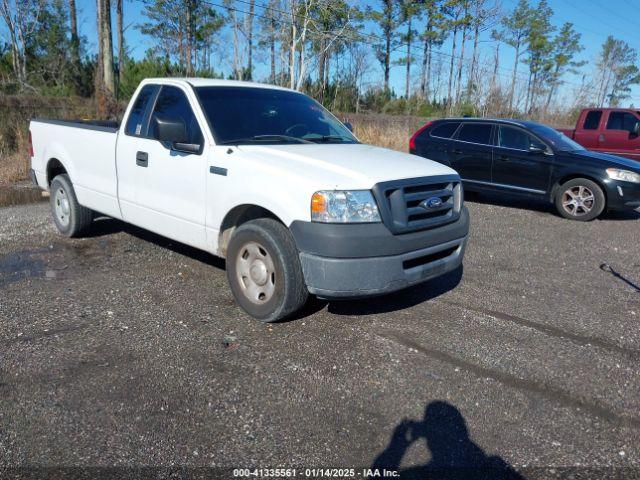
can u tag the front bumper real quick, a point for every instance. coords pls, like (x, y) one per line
(623, 196)
(347, 261)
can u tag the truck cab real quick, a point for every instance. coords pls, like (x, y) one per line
(609, 130)
(264, 177)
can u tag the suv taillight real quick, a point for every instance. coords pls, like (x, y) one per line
(412, 141)
(30, 145)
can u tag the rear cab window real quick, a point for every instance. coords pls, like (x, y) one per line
(479, 133)
(592, 120)
(138, 116)
(445, 130)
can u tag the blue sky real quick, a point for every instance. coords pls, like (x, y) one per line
(594, 19)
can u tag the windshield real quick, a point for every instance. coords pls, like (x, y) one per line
(242, 116)
(558, 140)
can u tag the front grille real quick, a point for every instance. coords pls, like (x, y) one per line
(403, 206)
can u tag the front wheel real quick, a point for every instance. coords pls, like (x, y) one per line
(264, 271)
(580, 199)
(71, 218)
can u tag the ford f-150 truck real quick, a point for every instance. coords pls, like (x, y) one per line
(264, 177)
(608, 130)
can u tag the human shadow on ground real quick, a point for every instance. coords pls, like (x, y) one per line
(453, 454)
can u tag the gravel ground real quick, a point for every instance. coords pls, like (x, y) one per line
(125, 349)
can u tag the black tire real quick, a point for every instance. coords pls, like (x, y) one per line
(269, 255)
(584, 210)
(71, 218)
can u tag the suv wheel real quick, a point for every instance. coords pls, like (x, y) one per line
(264, 272)
(580, 199)
(71, 218)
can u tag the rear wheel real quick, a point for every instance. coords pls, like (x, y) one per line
(264, 272)
(580, 199)
(71, 218)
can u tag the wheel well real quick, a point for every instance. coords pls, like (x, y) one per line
(571, 176)
(236, 217)
(54, 168)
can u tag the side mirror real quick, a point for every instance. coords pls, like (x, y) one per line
(636, 129)
(347, 124)
(171, 130)
(174, 132)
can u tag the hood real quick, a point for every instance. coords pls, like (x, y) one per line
(612, 160)
(342, 165)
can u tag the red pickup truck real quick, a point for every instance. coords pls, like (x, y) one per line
(608, 130)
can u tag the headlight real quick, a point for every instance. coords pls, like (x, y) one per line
(340, 206)
(624, 175)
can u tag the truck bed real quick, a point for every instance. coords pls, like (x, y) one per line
(87, 151)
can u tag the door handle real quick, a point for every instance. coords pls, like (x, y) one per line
(456, 151)
(142, 159)
(218, 171)
(504, 158)
(601, 137)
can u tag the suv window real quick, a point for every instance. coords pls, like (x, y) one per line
(446, 130)
(621, 121)
(135, 122)
(510, 137)
(476, 133)
(173, 103)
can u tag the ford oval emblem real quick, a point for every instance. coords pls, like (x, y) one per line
(433, 202)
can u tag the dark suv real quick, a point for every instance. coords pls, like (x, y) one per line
(528, 158)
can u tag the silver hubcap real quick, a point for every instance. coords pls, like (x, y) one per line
(61, 203)
(256, 273)
(578, 201)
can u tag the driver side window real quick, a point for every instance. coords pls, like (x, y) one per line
(510, 137)
(173, 104)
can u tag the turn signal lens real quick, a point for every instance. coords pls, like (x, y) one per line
(318, 204)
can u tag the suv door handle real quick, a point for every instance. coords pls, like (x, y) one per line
(504, 158)
(142, 159)
(456, 151)
(601, 137)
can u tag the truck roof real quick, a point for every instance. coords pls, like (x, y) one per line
(610, 109)
(212, 82)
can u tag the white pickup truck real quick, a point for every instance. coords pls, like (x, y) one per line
(264, 177)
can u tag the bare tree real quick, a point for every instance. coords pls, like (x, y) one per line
(75, 39)
(21, 19)
(249, 29)
(514, 32)
(454, 23)
(119, 20)
(105, 78)
(485, 16)
(465, 21)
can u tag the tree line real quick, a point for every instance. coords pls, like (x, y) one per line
(340, 52)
